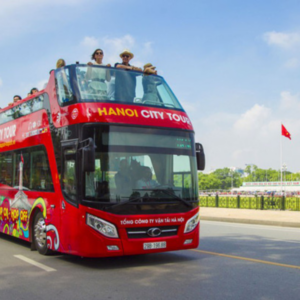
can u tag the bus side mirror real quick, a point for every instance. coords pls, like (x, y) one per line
(88, 156)
(200, 157)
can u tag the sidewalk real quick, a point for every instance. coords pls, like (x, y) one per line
(252, 216)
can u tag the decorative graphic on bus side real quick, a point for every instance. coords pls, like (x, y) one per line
(15, 214)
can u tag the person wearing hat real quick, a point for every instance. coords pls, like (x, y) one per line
(149, 69)
(126, 81)
(149, 85)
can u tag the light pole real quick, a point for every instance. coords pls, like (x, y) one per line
(231, 181)
(284, 168)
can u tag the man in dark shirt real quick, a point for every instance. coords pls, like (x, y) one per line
(123, 180)
(125, 81)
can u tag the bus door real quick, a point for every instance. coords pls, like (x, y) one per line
(69, 203)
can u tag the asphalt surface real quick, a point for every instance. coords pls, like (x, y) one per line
(252, 216)
(233, 261)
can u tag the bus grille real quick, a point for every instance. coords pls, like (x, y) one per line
(143, 232)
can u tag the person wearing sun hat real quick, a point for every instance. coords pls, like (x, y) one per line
(126, 81)
(149, 69)
(149, 85)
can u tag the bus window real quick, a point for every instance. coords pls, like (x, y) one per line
(64, 91)
(25, 108)
(37, 103)
(69, 174)
(126, 154)
(123, 86)
(182, 175)
(40, 175)
(165, 93)
(26, 169)
(7, 116)
(6, 168)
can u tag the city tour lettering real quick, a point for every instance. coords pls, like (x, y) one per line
(147, 114)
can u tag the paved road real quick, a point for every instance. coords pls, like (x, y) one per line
(271, 269)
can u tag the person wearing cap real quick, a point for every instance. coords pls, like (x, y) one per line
(126, 82)
(149, 85)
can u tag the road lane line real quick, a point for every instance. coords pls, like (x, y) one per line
(247, 259)
(35, 263)
(240, 225)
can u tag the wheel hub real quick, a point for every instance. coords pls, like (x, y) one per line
(40, 232)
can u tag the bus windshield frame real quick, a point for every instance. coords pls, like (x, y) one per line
(85, 83)
(121, 161)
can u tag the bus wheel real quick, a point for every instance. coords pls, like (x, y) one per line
(40, 234)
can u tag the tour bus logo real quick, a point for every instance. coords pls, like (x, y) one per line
(154, 232)
(74, 113)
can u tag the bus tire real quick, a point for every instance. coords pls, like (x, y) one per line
(40, 234)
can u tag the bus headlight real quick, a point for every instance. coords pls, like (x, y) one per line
(192, 223)
(102, 226)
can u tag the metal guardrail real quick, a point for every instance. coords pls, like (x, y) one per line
(257, 202)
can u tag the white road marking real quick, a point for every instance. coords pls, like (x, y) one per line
(35, 263)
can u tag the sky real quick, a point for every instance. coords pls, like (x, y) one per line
(234, 65)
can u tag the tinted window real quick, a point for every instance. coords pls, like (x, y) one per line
(28, 168)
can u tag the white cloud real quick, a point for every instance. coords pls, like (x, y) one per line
(239, 154)
(281, 39)
(90, 42)
(253, 118)
(42, 84)
(113, 46)
(148, 48)
(253, 136)
(289, 101)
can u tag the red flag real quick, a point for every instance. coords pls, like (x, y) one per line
(285, 133)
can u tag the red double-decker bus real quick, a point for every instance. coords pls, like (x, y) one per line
(102, 162)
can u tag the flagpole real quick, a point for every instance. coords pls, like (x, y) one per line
(281, 158)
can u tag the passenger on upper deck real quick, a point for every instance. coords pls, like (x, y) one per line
(33, 91)
(149, 85)
(125, 82)
(63, 82)
(16, 99)
(150, 69)
(97, 75)
(60, 63)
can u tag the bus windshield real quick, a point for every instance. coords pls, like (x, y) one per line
(102, 84)
(141, 165)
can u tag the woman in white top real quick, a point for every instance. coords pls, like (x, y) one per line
(98, 76)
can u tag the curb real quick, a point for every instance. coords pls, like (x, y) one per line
(249, 221)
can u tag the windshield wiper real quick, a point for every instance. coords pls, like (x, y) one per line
(172, 194)
(146, 197)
